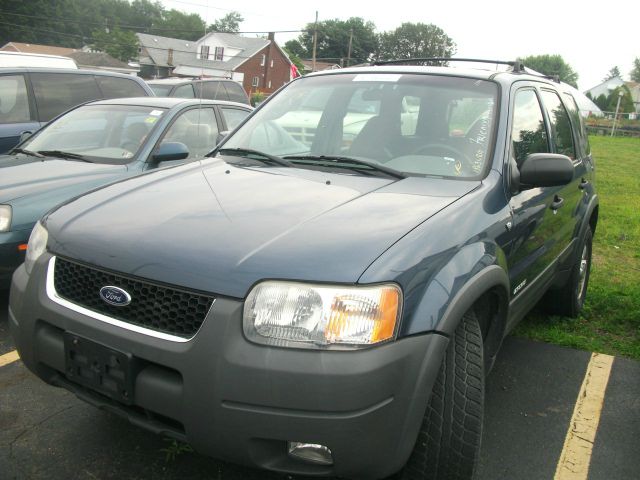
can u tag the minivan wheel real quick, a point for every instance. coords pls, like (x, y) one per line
(448, 443)
(569, 300)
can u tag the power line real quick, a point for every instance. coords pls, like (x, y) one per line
(136, 27)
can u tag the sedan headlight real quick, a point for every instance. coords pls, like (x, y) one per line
(291, 314)
(5, 218)
(37, 246)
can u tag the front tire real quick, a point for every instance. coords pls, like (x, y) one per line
(448, 443)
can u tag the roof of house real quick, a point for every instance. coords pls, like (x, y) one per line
(308, 64)
(98, 59)
(36, 48)
(185, 52)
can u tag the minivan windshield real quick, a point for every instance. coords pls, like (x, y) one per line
(412, 123)
(98, 133)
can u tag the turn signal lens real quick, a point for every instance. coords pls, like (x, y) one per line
(302, 315)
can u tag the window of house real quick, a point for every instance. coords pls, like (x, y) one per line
(560, 124)
(263, 60)
(255, 82)
(528, 133)
(219, 54)
(269, 85)
(271, 63)
(204, 52)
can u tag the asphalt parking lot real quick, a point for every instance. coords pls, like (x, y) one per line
(46, 433)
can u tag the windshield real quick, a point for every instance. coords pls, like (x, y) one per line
(161, 90)
(416, 124)
(100, 133)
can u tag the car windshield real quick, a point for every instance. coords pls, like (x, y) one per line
(412, 123)
(99, 133)
(160, 90)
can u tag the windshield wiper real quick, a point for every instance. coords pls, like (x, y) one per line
(27, 152)
(349, 162)
(61, 154)
(245, 152)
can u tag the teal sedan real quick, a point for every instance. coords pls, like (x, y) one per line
(96, 144)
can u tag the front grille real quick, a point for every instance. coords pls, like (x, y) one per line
(157, 307)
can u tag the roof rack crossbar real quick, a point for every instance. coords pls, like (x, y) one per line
(516, 65)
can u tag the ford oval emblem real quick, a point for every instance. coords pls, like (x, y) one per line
(115, 296)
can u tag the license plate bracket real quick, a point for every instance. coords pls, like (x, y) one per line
(103, 369)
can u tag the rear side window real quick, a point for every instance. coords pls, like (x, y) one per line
(184, 91)
(578, 124)
(560, 124)
(114, 87)
(236, 92)
(233, 116)
(528, 134)
(58, 92)
(214, 91)
(14, 101)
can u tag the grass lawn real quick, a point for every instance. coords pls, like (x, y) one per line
(610, 321)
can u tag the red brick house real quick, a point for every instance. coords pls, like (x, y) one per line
(257, 63)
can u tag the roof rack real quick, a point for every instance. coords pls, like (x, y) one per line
(517, 65)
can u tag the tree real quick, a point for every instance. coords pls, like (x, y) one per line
(626, 102)
(613, 73)
(415, 40)
(174, 23)
(295, 59)
(635, 71)
(121, 44)
(333, 41)
(230, 23)
(552, 65)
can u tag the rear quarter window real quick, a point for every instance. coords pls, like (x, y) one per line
(236, 93)
(14, 101)
(58, 92)
(114, 87)
(214, 91)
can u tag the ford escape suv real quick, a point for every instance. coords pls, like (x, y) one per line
(328, 306)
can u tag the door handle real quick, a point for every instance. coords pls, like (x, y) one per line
(557, 203)
(583, 184)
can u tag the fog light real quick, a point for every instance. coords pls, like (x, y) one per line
(311, 452)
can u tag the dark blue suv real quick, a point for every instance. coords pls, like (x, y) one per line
(326, 293)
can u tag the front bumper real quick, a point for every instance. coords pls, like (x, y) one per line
(10, 256)
(242, 402)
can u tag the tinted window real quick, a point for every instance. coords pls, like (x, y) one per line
(578, 124)
(113, 87)
(57, 92)
(160, 90)
(236, 92)
(560, 124)
(197, 129)
(14, 102)
(184, 91)
(528, 133)
(234, 116)
(214, 91)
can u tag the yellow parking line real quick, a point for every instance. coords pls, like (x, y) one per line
(578, 444)
(8, 358)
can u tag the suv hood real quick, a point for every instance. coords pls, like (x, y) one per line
(220, 227)
(23, 176)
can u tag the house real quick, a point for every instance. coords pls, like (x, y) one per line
(84, 58)
(257, 63)
(606, 87)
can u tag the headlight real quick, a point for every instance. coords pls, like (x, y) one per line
(37, 246)
(5, 218)
(290, 314)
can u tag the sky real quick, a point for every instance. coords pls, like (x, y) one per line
(592, 38)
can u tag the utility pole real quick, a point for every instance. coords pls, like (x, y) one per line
(615, 117)
(315, 42)
(350, 42)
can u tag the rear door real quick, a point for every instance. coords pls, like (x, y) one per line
(17, 113)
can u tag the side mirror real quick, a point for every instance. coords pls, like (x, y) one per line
(24, 136)
(169, 151)
(545, 170)
(221, 136)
